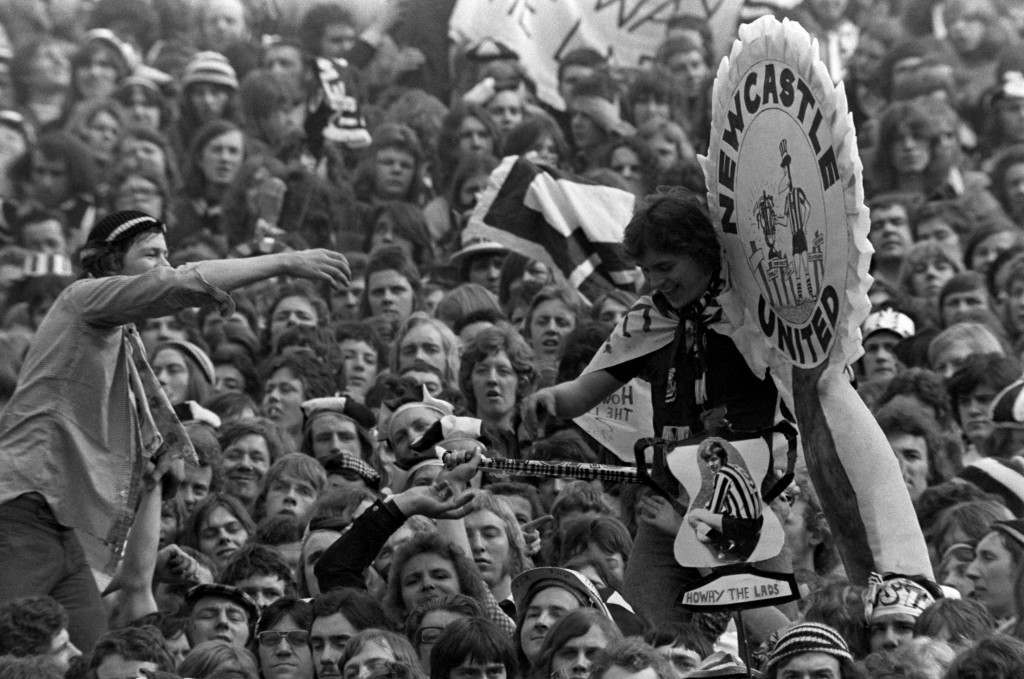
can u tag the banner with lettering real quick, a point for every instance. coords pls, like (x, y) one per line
(785, 192)
(622, 418)
(541, 31)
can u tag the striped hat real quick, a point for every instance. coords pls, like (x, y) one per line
(807, 637)
(720, 665)
(193, 352)
(125, 224)
(209, 67)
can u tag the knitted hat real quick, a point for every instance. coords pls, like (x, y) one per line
(720, 665)
(807, 637)
(194, 352)
(125, 224)
(209, 67)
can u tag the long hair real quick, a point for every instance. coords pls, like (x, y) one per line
(408, 223)
(449, 345)
(519, 560)
(199, 388)
(195, 181)
(189, 535)
(574, 624)
(470, 582)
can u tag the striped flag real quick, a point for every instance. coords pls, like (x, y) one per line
(572, 225)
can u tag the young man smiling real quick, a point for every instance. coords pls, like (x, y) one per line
(672, 339)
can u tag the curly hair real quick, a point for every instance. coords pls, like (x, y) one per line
(488, 342)
(257, 560)
(998, 657)
(913, 420)
(469, 580)
(919, 254)
(315, 375)
(29, 624)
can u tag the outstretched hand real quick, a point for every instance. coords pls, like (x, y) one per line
(438, 501)
(320, 265)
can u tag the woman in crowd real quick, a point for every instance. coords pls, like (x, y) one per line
(214, 158)
(184, 370)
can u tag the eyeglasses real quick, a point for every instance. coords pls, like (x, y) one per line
(428, 635)
(295, 637)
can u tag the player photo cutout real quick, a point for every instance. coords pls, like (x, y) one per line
(726, 522)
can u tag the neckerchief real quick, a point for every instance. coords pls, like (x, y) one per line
(160, 431)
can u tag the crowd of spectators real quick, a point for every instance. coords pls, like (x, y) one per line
(312, 535)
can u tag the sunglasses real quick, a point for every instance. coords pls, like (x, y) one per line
(295, 637)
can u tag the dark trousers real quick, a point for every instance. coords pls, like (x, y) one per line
(38, 556)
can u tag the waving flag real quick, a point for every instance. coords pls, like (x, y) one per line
(573, 226)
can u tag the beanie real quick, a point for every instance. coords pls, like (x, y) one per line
(209, 67)
(808, 637)
(122, 225)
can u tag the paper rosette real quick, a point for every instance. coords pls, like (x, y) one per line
(795, 240)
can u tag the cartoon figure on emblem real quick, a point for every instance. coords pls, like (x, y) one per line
(796, 212)
(727, 521)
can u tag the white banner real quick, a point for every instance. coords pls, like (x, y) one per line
(622, 418)
(541, 31)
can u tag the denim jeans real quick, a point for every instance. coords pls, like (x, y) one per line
(38, 556)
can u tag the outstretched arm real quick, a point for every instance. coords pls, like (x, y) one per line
(317, 265)
(568, 399)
